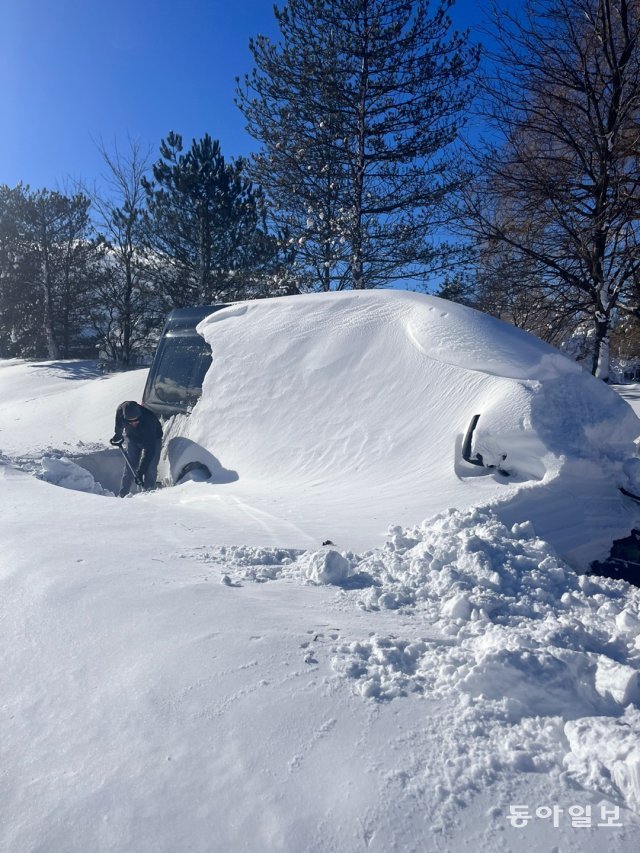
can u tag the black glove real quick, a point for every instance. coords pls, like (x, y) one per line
(117, 441)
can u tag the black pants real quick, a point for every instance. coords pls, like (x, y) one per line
(134, 452)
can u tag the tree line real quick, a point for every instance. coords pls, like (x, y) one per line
(389, 148)
(84, 269)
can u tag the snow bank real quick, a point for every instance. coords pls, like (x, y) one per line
(63, 405)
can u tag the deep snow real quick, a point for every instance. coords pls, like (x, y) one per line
(192, 669)
(357, 405)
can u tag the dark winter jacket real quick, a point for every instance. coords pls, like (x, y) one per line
(145, 434)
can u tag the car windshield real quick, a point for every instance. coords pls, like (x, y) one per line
(183, 364)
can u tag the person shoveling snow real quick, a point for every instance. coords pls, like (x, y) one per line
(141, 445)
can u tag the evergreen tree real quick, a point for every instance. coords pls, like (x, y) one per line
(46, 256)
(357, 108)
(60, 235)
(20, 299)
(204, 224)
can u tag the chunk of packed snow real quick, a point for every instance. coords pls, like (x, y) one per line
(605, 754)
(619, 681)
(327, 566)
(61, 471)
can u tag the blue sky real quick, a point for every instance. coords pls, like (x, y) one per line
(73, 72)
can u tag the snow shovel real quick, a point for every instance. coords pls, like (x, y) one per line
(136, 479)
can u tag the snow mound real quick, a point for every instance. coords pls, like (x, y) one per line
(355, 401)
(325, 566)
(249, 562)
(542, 662)
(516, 636)
(468, 566)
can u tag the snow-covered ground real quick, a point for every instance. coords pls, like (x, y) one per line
(194, 670)
(630, 393)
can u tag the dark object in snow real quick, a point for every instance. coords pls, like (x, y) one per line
(197, 470)
(328, 542)
(476, 458)
(623, 562)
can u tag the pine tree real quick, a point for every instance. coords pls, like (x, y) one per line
(357, 109)
(20, 298)
(46, 256)
(60, 233)
(204, 224)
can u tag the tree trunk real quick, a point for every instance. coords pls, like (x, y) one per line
(202, 294)
(357, 243)
(66, 316)
(126, 313)
(600, 367)
(53, 350)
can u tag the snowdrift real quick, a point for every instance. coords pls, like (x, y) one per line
(336, 395)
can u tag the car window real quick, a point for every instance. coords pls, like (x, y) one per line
(182, 366)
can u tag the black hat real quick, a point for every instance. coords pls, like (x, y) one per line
(131, 411)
